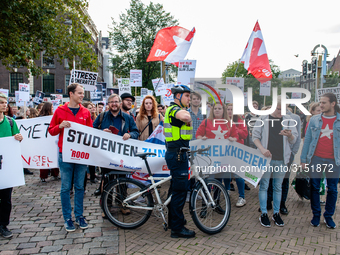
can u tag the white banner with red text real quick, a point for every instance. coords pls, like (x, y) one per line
(11, 170)
(39, 150)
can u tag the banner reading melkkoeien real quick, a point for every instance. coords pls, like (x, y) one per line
(39, 150)
(226, 156)
(89, 146)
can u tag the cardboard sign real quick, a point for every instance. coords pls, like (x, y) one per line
(265, 88)
(124, 86)
(334, 90)
(85, 78)
(4, 91)
(136, 77)
(238, 82)
(39, 97)
(111, 91)
(186, 71)
(24, 87)
(97, 95)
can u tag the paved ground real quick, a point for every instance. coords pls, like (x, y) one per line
(38, 229)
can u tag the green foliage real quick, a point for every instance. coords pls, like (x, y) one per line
(133, 37)
(30, 27)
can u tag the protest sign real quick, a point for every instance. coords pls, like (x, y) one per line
(21, 98)
(111, 91)
(124, 86)
(238, 82)
(98, 148)
(168, 97)
(334, 90)
(39, 150)
(85, 78)
(4, 91)
(57, 97)
(143, 92)
(265, 88)
(11, 173)
(97, 95)
(296, 95)
(226, 157)
(24, 87)
(150, 92)
(186, 71)
(136, 78)
(39, 96)
(55, 104)
(159, 86)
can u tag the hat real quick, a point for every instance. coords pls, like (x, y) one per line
(127, 95)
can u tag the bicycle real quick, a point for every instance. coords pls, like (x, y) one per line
(209, 200)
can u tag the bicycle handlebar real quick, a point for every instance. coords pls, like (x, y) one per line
(200, 151)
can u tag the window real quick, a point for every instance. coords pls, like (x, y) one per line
(15, 79)
(48, 83)
(48, 61)
(67, 81)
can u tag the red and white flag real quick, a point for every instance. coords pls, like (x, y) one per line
(171, 44)
(255, 58)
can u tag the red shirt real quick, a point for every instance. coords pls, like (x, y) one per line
(64, 113)
(220, 131)
(242, 130)
(324, 148)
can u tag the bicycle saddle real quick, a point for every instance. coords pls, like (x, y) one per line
(143, 155)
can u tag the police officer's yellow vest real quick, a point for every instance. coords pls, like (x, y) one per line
(173, 133)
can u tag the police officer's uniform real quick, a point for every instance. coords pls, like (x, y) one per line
(177, 136)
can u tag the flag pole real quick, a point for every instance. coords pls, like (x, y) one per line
(237, 67)
(264, 103)
(160, 79)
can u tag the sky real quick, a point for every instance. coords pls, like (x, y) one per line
(223, 28)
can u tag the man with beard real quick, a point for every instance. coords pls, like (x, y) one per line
(127, 101)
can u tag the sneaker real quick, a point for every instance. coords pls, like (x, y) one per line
(232, 188)
(315, 222)
(5, 232)
(330, 223)
(277, 219)
(69, 226)
(81, 221)
(246, 187)
(55, 178)
(322, 203)
(264, 219)
(240, 202)
(43, 180)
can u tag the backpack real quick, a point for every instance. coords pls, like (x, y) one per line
(301, 183)
(10, 120)
(101, 116)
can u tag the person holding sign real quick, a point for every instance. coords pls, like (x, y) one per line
(75, 112)
(148, 118)
(8, 127)
(178, 133)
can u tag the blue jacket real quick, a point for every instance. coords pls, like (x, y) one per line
(128, 124)
(312, 138)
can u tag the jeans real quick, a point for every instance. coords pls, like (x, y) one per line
(285, 183)
(67, 171)
(277, 185)
(332, 176)
(239, 181)
(5, 206)
(178, 166)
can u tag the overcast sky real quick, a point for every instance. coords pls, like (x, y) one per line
(223, 28)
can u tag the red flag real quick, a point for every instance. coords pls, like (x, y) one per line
(171, 44)
(255, 58)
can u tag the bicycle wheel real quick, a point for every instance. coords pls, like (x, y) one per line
(210, 219)
(123, 216)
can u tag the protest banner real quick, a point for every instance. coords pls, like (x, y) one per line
(230, 157)
(334, 90)
(124, 86)
(89, 146)
(85, 78)
(21, 98)
(57, 97)
(97, 95)
(11, 173)
(186, 72)
(136, 78)
(265, 88)
(39, 150)
(39, 97)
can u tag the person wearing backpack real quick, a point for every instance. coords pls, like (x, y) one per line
(8, 127)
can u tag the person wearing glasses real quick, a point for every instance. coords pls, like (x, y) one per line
(124, 125)
(127, 101)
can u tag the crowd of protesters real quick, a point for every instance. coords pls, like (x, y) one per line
(319, 133)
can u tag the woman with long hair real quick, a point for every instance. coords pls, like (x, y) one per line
(9, 111)
(47, 110)
(33, 113)
(242, 132)
(148, 118)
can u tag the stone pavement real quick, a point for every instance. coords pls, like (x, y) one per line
(37, 225)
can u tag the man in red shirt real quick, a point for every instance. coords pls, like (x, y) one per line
(75, 112)
(321, 152)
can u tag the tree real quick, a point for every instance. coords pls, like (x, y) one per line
(250, 81)
(133, 37)
(53, 26)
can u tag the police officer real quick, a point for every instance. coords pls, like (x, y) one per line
(178, 132)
